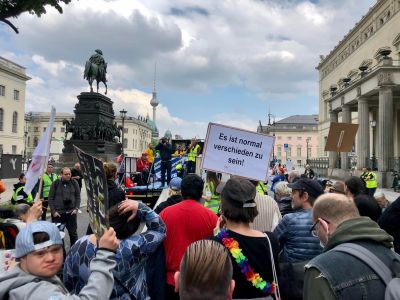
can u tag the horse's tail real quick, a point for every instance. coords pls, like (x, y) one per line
(88, 66)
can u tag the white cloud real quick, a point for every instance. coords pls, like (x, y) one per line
(269, 48)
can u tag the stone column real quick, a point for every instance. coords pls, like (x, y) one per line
(333, 117)
(385, 128)
(363, 132)
(346, 118)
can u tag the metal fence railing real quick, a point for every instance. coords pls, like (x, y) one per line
(319, 163)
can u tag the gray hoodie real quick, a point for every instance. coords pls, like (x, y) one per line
(20, 285)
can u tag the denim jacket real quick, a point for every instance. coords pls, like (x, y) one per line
(338, 275)
(295, 238)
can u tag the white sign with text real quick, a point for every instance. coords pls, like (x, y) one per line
(237, 152)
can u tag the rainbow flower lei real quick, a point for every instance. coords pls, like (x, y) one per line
(243, 262)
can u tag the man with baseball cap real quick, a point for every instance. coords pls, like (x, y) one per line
(39, 251)
(296, 241)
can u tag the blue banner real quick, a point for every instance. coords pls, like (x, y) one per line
(174, 161)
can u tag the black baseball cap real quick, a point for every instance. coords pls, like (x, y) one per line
(312, 187)
(240, 192)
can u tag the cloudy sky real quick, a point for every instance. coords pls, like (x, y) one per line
(225, 61)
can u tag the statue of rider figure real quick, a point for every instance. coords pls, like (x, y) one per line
(96, 68)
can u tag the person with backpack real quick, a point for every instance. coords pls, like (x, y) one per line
(340, 273)
(64, 202)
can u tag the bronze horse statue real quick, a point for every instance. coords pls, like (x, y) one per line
(96, 69)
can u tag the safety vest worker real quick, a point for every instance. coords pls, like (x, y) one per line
(193, 153)
(261, 188)
(20, 196)
(371, 181)
(211, 194)
(48, 180)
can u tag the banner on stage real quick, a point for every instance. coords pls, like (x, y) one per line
(96, 189)
(341, 137)
(238, 152)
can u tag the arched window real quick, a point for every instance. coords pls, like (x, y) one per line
(14, 121)
(1, 119)
(35, 141)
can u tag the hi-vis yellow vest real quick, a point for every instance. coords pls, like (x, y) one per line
(193, 153)
(47, 182)
(214, 203)
(371, 181)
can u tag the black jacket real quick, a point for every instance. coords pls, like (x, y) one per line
(174, 199)
(389, 221)
(115, 193)
(165, 151)
(285, 206)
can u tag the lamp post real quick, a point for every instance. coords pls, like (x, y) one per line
(28, 118)
(123, 116)
(373, 159)
(307, 141)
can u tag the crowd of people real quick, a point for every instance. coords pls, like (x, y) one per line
(210, 239)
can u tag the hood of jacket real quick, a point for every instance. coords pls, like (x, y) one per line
(17, 278)
(359, 229)
(17, 185)
(111, 184)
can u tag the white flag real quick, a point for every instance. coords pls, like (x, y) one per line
(40, 156)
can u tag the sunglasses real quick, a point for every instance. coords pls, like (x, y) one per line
(313, 229)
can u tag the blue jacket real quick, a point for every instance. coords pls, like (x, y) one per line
(131, 258)
(296, 241)
(277, 179)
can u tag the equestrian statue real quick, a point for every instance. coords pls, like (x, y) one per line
(96, 69)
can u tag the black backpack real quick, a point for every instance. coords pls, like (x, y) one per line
(8, 235)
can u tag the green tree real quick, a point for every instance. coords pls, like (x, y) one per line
(13, 8)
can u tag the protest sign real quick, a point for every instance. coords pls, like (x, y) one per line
(289, 166)
(341, 137)
(96, 189)
(238, 152)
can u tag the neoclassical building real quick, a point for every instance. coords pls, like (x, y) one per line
(137, 132)
(13, 80)
(299, 133)
(359, 81)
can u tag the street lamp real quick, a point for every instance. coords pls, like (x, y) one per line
(123, 116)
(373, 125)
(307, 141)
(28, 118)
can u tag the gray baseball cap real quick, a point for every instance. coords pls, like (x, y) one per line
(24, 242)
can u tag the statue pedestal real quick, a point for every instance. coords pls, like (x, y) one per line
(93, 129)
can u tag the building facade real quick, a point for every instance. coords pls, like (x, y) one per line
(137, 133)
(359, 81)
(12, 106)
(296, 138)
